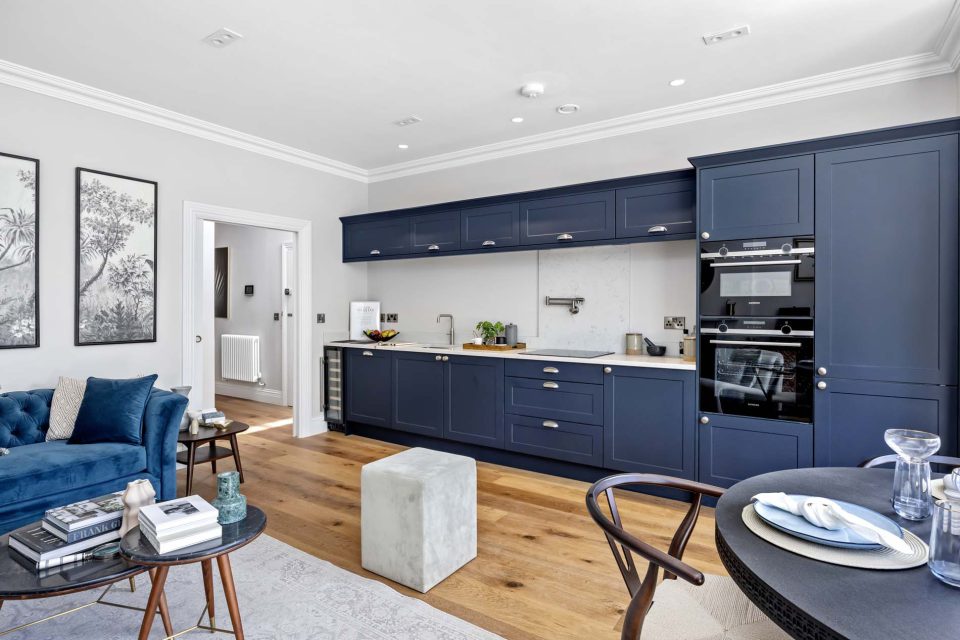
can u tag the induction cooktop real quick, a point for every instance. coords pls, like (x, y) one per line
(567, 353)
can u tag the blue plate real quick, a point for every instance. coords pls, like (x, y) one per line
(843, 538)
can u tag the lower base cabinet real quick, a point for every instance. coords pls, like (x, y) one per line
(367, 385)
(419, 389)
(557, 439)
(474, 401)
(733, 448)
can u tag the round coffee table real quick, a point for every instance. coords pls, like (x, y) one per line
(20, 580)
(194, 455)
(816, 600)
(137, 549)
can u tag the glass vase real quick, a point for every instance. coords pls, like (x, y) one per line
(911, 479)
(231, 504)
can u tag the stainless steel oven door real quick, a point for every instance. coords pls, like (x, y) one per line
(757, 375)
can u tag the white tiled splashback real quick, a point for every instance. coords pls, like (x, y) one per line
(626, 288)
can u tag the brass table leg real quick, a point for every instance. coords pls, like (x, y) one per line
(226, 576)
(133, 585)
(207, 568)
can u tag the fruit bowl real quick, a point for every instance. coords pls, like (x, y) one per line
(381, 336)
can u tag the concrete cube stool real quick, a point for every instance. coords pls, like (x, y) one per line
(418, 516)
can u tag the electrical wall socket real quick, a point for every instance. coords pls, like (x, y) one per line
(674, 322)
(390, 317)
(321, 318)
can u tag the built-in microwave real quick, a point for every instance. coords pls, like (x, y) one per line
(770, 277)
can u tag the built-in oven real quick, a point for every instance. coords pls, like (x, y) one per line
(760, 367)
(771, 277)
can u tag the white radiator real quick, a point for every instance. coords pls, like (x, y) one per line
(240, 357)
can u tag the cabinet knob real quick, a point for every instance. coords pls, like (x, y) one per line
(608, 369)
(374, 252)
(822, 371)
(437, 358)
(550, 385)
(565, 236)
(551, 370)
(550, 424)
(445, 358)
(704, 420)
(657, 229)
(705, 235)
(433, 247)
(821, 385)
(489, 243)
(368, 353)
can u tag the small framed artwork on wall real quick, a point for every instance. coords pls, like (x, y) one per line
(116, 270)
(19, 251)
(221, 282)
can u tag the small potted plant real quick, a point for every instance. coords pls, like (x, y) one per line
(489, 331)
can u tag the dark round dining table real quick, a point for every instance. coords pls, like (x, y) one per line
(812, 599)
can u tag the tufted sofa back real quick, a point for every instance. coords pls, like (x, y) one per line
(24, 417)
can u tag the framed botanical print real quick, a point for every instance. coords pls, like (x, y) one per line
(19, 251)
(116, 271)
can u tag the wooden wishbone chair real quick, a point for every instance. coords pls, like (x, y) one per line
(623, 544)
(891, 458)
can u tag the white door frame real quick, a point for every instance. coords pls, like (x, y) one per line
(287, 280)
(194, 214)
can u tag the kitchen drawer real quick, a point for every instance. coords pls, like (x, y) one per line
(574, 401)
(546, 370)
(569, 441)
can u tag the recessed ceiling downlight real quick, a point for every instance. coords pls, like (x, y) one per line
(222, 37)
(403, 146)
(516, 120)
(679, 82)
(532, 90)
(568, 109)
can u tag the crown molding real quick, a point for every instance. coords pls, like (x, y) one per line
(947, 45)
(16, 75)
(854, 79)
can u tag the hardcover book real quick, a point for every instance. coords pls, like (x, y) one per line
(85, 513)
(180, 512)
(43, 547)
(82, 534)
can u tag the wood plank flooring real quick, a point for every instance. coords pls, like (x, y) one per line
(543, 569)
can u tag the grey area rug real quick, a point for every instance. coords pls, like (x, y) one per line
(283, 593)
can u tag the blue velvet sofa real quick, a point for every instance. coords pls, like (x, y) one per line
(37, 475)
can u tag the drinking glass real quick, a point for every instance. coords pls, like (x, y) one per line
(944, 559)
(911, 480)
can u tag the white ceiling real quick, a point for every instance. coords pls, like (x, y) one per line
(329, 77)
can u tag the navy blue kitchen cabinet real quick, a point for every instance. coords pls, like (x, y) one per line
(886, 262)
(371, 240)
(419, 389)
(557, 439)
(662, 209)
(368, 381)
(733, 448)
(552, 370)
(573, 401)
(564, 219)
(761, 199)
(474, 400)
(650, 421)
(490, 227)
(435, 232)
(851, 416)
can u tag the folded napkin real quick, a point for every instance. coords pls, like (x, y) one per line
(827, 514)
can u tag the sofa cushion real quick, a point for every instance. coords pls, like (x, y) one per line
(46, 468)
(112, 410)
(64, 407)
(24, 416)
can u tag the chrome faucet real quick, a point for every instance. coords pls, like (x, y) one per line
(447, 315)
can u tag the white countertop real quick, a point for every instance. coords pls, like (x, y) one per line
(616, 359)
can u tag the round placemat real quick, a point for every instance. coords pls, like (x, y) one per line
(862, 559)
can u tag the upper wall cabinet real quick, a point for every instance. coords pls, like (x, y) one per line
(573, 218)
(490, 227)
(435, 232)
(372, 239)
(663, 209)
(762, 199)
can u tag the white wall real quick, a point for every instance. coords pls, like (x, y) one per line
(255, 258)
(625, 287)
(63, 136)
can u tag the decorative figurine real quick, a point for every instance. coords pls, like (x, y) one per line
(138, 493)
(231, 504)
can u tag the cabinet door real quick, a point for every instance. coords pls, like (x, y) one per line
(732, 448)
(373, 239)
(757, 199)
(368, 383)
(585, 216)
(851, 416)
(664, 209)
(419, 388)
(572, 401)
(490, 227)
(474, 403)
(886, 262)
(436, 232)
(649, 421)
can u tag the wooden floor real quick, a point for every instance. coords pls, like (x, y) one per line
(543, 568)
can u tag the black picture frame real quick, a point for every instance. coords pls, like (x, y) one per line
(80, 287)
(36, 253)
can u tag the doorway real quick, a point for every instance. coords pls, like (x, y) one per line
(199, 361)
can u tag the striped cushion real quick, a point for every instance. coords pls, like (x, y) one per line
(63, 410)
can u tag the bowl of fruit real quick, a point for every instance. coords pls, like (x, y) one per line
(380, 336)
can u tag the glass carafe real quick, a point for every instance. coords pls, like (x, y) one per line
(911, 480)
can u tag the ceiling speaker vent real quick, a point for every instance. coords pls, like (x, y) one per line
(729, 34)
(408, 121)
(222, 37)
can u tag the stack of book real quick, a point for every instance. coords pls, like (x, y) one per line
(68, 534)
(180, 523)
(214, 418)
